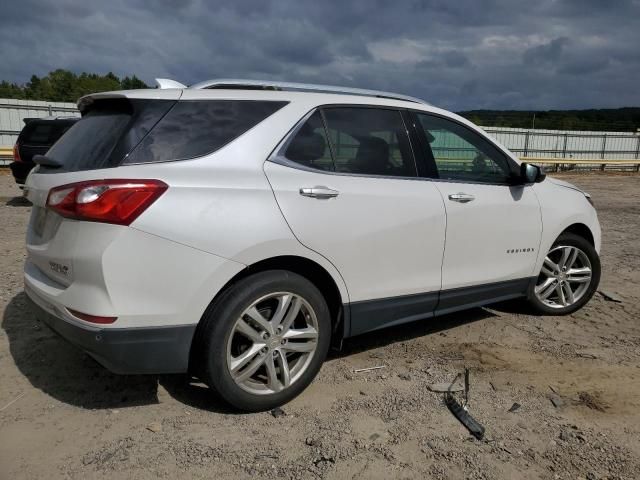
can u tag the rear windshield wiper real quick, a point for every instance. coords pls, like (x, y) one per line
(46, 161)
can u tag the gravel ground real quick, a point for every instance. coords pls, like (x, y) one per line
(64, 416)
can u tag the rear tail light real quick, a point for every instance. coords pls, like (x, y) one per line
(16, 153)
(109, 201)
(92, 318)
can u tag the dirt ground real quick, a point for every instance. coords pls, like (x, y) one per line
(64, 416)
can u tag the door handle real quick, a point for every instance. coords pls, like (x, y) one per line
(319, 192)
(461, 197)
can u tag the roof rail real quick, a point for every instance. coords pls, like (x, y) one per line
(235, 83)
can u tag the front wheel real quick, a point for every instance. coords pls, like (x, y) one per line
(265, 340)
(569, 276)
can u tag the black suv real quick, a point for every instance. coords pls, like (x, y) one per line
(37, 136)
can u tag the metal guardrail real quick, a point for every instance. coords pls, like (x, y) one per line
(594, 162)
(6, 156)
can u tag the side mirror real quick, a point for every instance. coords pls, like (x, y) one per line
(531, 173)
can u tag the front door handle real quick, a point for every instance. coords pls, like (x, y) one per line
(461, 197)
(319, 192)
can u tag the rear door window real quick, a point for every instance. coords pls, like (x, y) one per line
(369, 141)
(355, 140)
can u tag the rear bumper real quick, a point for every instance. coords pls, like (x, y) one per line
(146, 350)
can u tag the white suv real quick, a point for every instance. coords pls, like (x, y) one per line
(236, 229)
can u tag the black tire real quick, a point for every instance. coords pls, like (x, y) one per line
(219, 320)
(569, 239)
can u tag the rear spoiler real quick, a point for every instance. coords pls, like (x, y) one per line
(150, 93)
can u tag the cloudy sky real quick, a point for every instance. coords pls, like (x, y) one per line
(459, 54)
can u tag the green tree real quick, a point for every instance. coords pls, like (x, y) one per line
(132, 83)
(11, 90)
(65, 86)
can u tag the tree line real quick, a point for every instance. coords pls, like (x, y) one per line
(610, 120)
(65, 86)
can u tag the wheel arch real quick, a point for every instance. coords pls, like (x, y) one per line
(305, 267)
(581, 230)
(585, 227)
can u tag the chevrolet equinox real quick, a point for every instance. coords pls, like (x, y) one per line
(237, 229)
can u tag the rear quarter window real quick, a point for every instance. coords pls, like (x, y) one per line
(193, 128)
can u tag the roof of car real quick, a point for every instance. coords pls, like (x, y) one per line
(261, 89)
(244, 84)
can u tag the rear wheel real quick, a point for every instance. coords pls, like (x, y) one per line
(569, 276)
(265, 339)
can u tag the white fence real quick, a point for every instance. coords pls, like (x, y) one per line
(576, 145)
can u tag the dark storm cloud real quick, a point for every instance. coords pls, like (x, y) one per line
(457, 54)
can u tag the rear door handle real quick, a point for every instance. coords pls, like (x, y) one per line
(461, 197)
(319, 192)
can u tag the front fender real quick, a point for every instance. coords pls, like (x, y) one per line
(561, 208)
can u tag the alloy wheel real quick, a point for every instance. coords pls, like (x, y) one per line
(565, 277)
(272, 343)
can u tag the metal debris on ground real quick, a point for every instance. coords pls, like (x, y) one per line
(368, 369)
(460, 411)
(587, 355)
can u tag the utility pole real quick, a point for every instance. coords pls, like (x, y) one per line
(533, 122)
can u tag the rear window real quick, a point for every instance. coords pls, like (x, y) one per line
(120, 131)
(108, 130)
(196, 128)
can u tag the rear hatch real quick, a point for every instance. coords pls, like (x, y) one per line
(80, 175)
(111, 127)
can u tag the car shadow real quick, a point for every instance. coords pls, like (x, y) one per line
(69, 375)
(409, 331)
(18, 202)
(63, 371)
(516, 306)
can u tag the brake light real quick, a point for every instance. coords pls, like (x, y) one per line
(92, 318)
(16, 153)
(116, 201)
